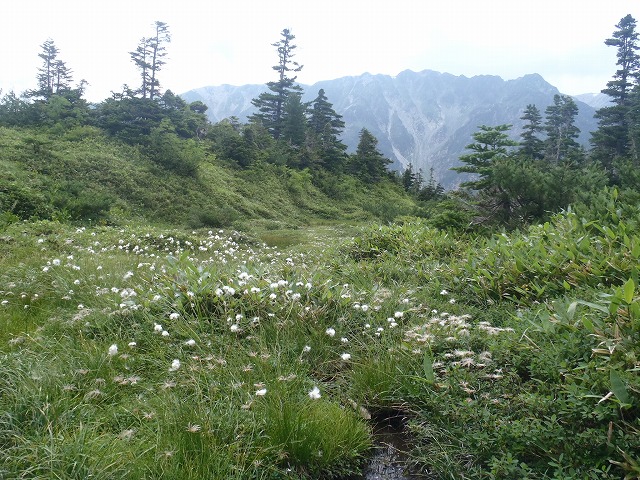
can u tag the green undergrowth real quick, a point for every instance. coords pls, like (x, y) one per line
(89, 178)
(145, 352)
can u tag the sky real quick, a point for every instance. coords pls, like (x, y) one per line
(215, 42)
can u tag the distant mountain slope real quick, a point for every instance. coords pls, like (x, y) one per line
(423, 118)
(595, 100)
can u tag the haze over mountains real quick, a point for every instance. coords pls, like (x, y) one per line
(421, 118)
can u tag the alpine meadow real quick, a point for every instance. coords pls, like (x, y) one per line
(182, 299)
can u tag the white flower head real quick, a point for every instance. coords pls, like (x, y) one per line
(157, 327)
(330, 331)
(444, 292)
(262, 392)
(190, 343)
(314, 393)
(113, 350)
(398, 314)
(345, 356)
(174, 316)
(175, 365)
(306, 349)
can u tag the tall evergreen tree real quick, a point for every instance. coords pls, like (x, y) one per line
(612, 138)
(323, 114)
(561, 129)
(326, 126)
(53, 76)
(490, 143)
(294, 125)
(409, 178)
(149, 58)
(140, 58)
(432, 189)
(531, 145)
(271, 104)
(368, 163)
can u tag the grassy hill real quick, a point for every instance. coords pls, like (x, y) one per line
(244, 324)
(82, 175)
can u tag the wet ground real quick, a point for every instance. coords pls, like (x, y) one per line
(388, 461)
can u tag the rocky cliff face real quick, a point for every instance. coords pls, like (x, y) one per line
(421, 118)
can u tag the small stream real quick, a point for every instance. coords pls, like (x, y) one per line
(391, 444)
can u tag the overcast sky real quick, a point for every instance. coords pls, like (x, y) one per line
(218, 42)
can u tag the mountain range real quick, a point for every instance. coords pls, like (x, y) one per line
(421, 118)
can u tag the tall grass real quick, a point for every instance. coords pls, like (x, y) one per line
(139, 352)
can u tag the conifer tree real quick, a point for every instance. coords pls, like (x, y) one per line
(323, 114)
(490, 143)
(612, 138)
(149, 58)
(326, 126)
(368, 163)
(53, 76)
(271, 105)
(531, 145)
(408, 178)
(294, 125)
(560, 128)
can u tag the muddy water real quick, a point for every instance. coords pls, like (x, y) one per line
(391, 445)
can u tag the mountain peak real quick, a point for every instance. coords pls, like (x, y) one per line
(421, 118)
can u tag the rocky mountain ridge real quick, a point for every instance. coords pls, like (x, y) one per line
(421, 118)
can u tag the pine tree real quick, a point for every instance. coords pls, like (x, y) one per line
(433, 189)
(560, 128)
(368, 163)
(294, 125)
(490, 143)
(326, 126)
(531, 145)
(408, 178)
(149, 58)
(271, 104)
(53, 77)
(140, 58)
(612, 138)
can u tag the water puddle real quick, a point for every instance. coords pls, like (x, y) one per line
(391, 440)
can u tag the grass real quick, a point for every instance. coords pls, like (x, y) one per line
(47, 176)
(145, 352)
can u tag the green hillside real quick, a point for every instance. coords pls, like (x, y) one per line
(182, 300)
(84, 176)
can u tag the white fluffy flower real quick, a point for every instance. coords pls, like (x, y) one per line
(330, 331)
(174, 316)
(175, 365)
(345, 356)
(314, 394)
(190, 343)
(113, 350)
(262, 392)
